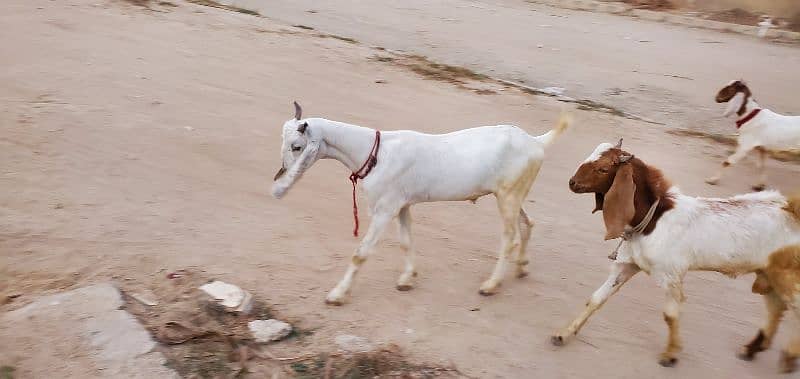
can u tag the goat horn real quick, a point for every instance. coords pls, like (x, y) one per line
(619, 144)
(298, 112)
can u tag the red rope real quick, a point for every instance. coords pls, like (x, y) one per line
(371, 161)
(747, 118)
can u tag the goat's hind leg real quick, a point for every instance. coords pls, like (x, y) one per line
(672, 318)
(405, 282)
(775, 310)
(525, 226)
(509, 203)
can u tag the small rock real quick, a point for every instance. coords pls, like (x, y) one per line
(188, 128)
(230, 296)
(269, 330)
(145, 297)
(554, 91)
(540, 46)
(353, 344)
(380, 81)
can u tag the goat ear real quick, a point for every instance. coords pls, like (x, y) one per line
(734, 104)
(618, 207)
(298, 112)
(619, 144)
(302, 128)
(625, 158)
(598, 202)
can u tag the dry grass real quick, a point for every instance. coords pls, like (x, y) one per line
(783, 156)
(214, 4)
(384, 363)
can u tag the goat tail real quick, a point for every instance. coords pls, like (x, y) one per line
(564, 120)
(793, 205)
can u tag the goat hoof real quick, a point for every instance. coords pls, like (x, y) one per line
(668, 361)
(522, 274)
(788, 363)
(404, 287)
(759, 187)
(557, 340)
(487, 292)
(337, 303)
(746, 355)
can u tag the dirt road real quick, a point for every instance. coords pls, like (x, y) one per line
(138, 142)
(663, 72)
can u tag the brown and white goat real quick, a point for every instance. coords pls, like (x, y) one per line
(667, 234)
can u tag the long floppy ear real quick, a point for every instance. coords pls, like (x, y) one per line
(618, 207)
(734, 104)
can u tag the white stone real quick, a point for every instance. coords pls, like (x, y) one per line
(269, 330)
(353, 344)
(229, 295)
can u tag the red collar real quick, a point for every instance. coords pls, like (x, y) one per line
(362, 173)
(747, 118)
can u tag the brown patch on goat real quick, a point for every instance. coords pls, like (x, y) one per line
(754, 347)
(650, 184)
(793, 206)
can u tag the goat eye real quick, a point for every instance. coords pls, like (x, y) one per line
(296, 148)
(603, 170)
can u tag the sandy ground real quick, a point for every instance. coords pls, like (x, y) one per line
(134, 143)
(663, 72)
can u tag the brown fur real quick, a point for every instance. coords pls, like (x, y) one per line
(779, 281)
(728, 92)
(648, 182)
(793, 205)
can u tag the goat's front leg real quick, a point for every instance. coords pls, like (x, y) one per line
(761, 166)
(406, 244)
(741, 152)
(379, 221)
(763, 340)
(672, 311)
(619, 275)
(525, 226)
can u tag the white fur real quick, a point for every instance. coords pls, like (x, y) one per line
(732, 236)
(414, 167)
(598, 151)
(767, 130)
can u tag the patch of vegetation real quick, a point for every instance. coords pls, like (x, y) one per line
(334, 36)
(783, 156)
(591, 105)
(385, 363)
(440, 71)
(7, 372)
(214, 4)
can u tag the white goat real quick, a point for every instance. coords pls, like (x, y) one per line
(676, 233)
(412, 167)
(760, 129)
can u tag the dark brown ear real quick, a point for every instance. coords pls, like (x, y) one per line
(598, 202)
(618, 207)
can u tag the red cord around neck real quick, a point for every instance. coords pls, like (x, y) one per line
(362, 173)
(747, 118)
